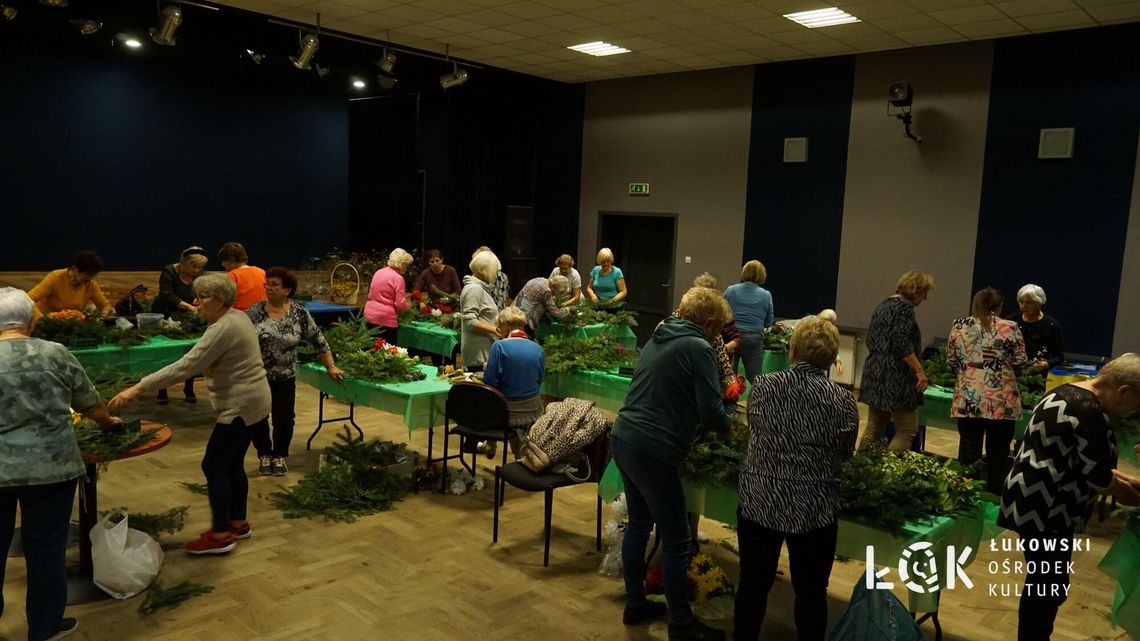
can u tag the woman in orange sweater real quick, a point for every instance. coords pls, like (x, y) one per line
(250, 280)
(71, 288)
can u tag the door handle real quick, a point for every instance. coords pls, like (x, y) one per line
(666, 284)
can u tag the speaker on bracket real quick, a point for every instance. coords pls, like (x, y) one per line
(519, 228)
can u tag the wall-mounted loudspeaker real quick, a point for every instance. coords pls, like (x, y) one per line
(519, 228)
(1056, 143)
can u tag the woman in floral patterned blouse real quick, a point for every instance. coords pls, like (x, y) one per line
(985, 352)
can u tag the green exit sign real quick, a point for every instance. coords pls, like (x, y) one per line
(638, 189)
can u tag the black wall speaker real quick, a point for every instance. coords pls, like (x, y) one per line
(519, 228)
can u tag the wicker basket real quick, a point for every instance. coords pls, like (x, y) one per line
(351, 298)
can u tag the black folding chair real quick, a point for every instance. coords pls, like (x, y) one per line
(480, 414)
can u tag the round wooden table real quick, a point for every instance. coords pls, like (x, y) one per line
(80, 587)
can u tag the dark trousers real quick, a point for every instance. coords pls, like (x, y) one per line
(997, 436)
(1037, 609)
(45, 514)
(387, 333)
(283, 400)
(810, 555)
(224, 467)
(653, 494)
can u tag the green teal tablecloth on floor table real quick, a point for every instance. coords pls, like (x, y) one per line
(624, 335)
(428, 337)
(935, 411)
(420, 403)
(1122, 563)
(136, 361)
(719, 503)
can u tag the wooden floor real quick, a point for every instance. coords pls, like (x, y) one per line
(427, 569)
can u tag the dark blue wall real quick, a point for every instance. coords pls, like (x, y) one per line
(136, 159)
(1061, 223)
(794, 212)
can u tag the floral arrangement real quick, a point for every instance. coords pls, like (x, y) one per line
(351, 335)
(706, 580)
(569, 354)
(382, 363)
(591, 313)
(78, 330)
(734, 389)
(714, 461)
(68, 314)
(424, 308)
(776, 338)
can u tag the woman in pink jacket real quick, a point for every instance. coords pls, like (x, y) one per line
(386, 297)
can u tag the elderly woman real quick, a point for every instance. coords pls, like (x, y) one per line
(176, 296)
(515, 367)
(72, 288)
(752, 309)
(986, 352)
(229, 356)
(281, 326)
(607, 282)
(387, 295)
(249, 280)
(1066, 459)
(539, 296)
(893, 378)
(40, 382)
(439, 281)
(1044, 344)
(564, 267)
(803, 427)
(501, 288)
(675, 394)
(477, 309)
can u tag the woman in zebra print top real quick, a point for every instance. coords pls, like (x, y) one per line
(802, 427)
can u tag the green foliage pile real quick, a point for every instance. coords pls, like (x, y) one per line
(170, 521)
(349, 485)
(108, 445)
(776, 338)
(590, 313)
(381, 367)
(570, 354)
(351, 335)
(886, 490)
(715, 460)
(68, 331)
(196, 488)
(351, 450)
(1031, 388)
(158, 597)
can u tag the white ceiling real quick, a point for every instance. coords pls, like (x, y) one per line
(680, 35)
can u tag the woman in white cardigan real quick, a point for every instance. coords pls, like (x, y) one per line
(229, 356)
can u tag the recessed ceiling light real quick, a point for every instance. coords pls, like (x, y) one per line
(599, 48)
(359, 84)
(132, 43)
(821, 17)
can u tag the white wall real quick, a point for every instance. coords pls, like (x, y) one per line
(1127, 335)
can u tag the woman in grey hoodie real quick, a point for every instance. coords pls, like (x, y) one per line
(477, 308)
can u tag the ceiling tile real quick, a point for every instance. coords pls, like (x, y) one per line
(334, 10)
(707, 47)
(529, 10)
(689, 19)
(1050, 21)
(637, 43)
(664, 53)
(655, 8)
(527, 44)
(465, 41)
(826, 48)
(875, 43)
(489, 17)
(495, 35)
(1101, 3)
(1019, 8)
(775, 24)
(781, 7)
(424, 31)
(454, 25)
(529, 29)
(989, 29)
(491, 3)
(697, 62)
(797, 37)
(1117, 12)
(721, 31)
(781, 53)
(677, 37)
(573, 5)
(906, 23)
(567, 22)
(608, 14)
(740, 11)
(382, 20)
(852, 30)
(709, 4)
(444, 7)
(367, 5)
(498, 50)
(647, 26)
(930, 36)
(735, 57)
(979, 13)
(349, 26)
(412, 14)
(941, 5)
(880, 9)
(752, 43)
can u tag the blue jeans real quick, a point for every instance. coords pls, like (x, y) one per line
(653, 494)
(751, 351)
(45, 514)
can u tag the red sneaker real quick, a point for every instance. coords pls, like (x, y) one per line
(207, 544)
(243, 532)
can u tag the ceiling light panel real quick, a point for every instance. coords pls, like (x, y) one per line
(599, 48)
(821, 17)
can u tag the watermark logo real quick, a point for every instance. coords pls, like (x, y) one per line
(919, 569)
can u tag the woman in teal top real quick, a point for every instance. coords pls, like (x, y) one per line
(607, 282)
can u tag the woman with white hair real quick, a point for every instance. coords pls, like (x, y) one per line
(387, 295)
(40, 462)
(515, 367)
(1044, 344)
(607, 282)
(564, 266)
(539, 296)
(230, 357)
(477, 309)
(501, 287)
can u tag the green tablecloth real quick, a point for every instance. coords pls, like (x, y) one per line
(624, 335)
(136, 361)
(605, 389)
(419, 402)
(428, 337)
(1123, 564)
(935, 412)
(720, 503)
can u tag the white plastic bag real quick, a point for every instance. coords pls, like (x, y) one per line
(125, 560)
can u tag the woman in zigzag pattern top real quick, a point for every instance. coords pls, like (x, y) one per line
(1067, 458)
